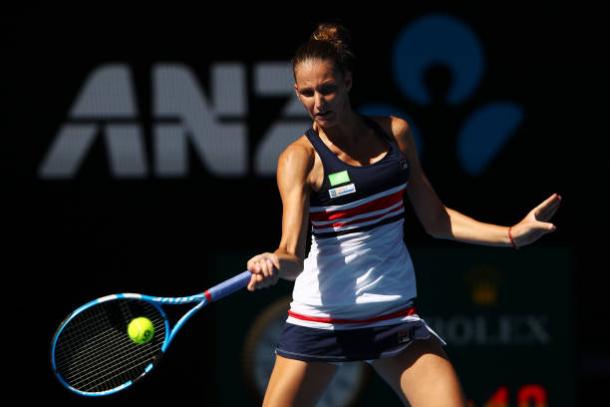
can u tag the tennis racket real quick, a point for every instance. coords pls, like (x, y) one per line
(91, 352)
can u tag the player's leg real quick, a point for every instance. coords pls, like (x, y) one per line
(297, 383)
(423, 375)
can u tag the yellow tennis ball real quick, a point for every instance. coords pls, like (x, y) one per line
(141, 330)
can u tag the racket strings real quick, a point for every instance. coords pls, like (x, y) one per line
(94, 353)
(117, 354)
(86, 342)
(111, 351)
(120, 373)
(103, 345)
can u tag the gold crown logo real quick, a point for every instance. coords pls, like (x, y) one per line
(483, 281)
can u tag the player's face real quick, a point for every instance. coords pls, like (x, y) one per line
(323, 90)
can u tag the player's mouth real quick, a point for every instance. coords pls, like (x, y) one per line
(324, 114)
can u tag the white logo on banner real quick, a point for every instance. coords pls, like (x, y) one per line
(183, 117)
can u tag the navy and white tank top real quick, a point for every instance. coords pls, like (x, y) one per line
(358, 272)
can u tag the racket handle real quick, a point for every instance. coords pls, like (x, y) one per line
(229, 286)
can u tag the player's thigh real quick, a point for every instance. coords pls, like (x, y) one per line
(423, 375)
(297, 383)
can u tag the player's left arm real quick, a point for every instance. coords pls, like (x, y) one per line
(443, 222)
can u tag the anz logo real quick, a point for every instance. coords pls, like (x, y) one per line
(213, 123)
(183, 115)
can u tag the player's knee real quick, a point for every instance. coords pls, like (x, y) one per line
(275, 399)
(288, 395)
(296, 383)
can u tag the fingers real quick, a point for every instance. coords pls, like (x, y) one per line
(253, 266)
(545, 227)
(268, 267)
(252, 284)
(550, 200)
(549, 212)
(256, 264)
(547, 209)
(255, 281)
(275, 260)
(264, 268)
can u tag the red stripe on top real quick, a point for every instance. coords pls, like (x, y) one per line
(356, 221)
(402, 313)
(376, 205)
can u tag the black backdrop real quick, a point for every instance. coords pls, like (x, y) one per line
(73, 239)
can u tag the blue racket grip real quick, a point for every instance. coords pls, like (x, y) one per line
(229, 286)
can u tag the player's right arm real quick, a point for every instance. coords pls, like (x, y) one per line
(295, 165)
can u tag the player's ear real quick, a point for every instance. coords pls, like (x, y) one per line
(296, 90)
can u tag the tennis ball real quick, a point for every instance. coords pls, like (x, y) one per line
(141, 330)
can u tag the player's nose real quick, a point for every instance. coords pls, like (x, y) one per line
(320, 103)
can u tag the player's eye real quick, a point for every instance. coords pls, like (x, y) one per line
(328, 89)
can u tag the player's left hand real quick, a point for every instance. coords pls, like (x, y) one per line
(536, 224)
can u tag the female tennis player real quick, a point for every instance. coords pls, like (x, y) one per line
(354, 292)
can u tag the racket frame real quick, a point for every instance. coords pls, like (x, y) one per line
(213, 294)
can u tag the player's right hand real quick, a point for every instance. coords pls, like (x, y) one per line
(265, 271)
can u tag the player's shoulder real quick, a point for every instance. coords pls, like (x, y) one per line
(298, 153)
(395, 126)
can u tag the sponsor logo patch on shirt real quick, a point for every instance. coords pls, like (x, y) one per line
(338, 178)
(342, 190)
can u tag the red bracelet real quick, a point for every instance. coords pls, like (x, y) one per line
(512, 241)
